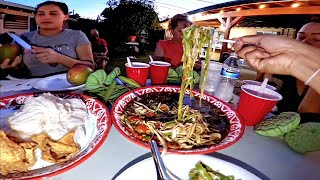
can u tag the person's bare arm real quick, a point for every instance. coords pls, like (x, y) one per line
(50, 56)
(307, 65)
(281, 55)
(310, 102)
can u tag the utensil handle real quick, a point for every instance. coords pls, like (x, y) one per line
(160, 167)
(124, 85)
(119, 81)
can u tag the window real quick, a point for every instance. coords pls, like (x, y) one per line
(15, 22)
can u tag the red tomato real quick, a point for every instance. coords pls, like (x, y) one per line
(136, 135)
(173, 145)
(133, 119)
(142, 129)
(150, 114)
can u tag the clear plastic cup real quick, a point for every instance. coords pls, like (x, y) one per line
(213, 77)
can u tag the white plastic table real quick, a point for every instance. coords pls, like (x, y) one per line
(271, 156)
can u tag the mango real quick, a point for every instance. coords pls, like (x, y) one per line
(78, 74)
(8, 52)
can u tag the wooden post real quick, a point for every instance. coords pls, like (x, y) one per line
(229, 24)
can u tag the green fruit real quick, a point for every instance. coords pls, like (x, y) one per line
(278, 125)
(78, 74)
(306, 138)
(8, 52)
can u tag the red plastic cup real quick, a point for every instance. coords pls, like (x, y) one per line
(253, 107)
(159, 72)
(138, 72)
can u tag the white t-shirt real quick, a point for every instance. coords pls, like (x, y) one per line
(65, 43)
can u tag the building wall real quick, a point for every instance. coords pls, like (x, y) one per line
(17, 31)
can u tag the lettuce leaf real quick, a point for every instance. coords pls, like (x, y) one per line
(172, 73)
(96, 80)
(196, 77)
(179, 71)
(114, 73)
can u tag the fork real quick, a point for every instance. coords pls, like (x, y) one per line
(162, 172)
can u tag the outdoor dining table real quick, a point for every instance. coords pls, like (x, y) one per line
(259, 154)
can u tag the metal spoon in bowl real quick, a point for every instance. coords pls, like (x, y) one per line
(162, 172)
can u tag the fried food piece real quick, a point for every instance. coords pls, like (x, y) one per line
(56, 151)
(68, 139)
(29, 148)
(15, 158)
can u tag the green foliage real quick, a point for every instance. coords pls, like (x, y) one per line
(124, 18)
(175, 75)
(101, 84)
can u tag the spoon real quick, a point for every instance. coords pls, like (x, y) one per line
(263, 86)
(226, 40)
(151, 59)
(129, 62)
(162, 172)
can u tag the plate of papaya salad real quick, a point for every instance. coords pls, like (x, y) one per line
(180, 119)
(203, 129)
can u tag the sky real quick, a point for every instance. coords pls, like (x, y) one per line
(92, 8)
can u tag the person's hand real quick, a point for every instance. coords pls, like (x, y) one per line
(6, 63)
(47, 55)
(268, 53)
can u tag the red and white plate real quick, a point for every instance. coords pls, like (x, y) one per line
(98, 113)
(236, 126)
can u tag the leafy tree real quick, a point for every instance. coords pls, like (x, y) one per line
(124, 18)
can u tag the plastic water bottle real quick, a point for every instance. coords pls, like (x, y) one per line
(230, 72)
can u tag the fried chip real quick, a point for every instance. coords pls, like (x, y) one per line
(68, 139)
(29, 148)
(15, 158)
(56, 151)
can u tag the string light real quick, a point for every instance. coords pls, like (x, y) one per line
(262, 6)
(238, 9)
(221, 11)
(222, 27)
(294, 5)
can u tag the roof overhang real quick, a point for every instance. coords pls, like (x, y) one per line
(15, 5)
(209, 16)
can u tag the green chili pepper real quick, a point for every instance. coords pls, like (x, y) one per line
(203, 172)
(129, 81)
(193, 173)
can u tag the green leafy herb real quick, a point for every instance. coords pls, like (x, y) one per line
(114, 73)
(96, 80)
(103, 85)
(175, 75)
